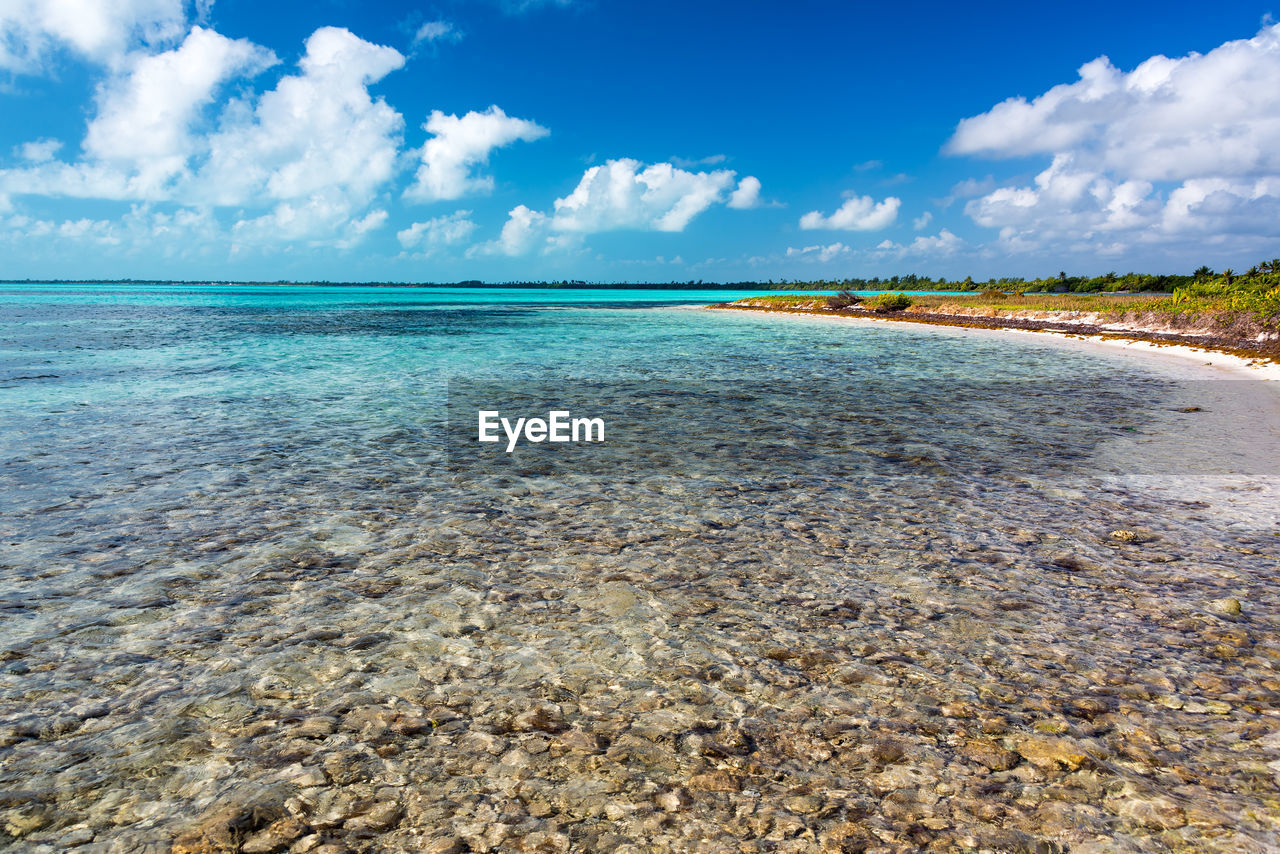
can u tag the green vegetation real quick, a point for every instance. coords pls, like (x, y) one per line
(1057, 283)
(1255, 293)
(785, 301)
(889, 302)
(1002, 302)
(1226, 297)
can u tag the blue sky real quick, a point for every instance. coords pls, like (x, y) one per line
(630, 141)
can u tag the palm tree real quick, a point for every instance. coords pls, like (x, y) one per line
(1228, 275)
(1202, 272)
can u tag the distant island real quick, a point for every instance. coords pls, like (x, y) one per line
(1056, 283)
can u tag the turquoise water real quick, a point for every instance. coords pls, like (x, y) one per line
(245, 539)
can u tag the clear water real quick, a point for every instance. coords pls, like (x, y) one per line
(245, 564)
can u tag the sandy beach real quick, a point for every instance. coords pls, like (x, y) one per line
(1242, 352)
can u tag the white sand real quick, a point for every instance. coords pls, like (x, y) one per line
(1221, 364)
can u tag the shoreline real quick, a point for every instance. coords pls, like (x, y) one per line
(1217, 352)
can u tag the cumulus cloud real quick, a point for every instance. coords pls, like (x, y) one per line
(437, 233)
(523, 230)
(39, 151)
(620, 194)
(314, 150)
(942, 243)
(458, 145)
(858, 213)
(140, 141)
(747, 195)
(516, 7)
(709, 160)
(1168, 119)
(436, 31)
(318, 135)
(102, 31)
(354, 231)
(144, 117)
(1067, 202)
(821, 253)
(922, 221)
(966, 189)
(317, 220)
(318, 140)
(184, 232)
(626, 194)
(1190, 144)
(1219, 205)
(305, 161)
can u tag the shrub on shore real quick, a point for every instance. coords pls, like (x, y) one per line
(1255, 294)
(889, 302)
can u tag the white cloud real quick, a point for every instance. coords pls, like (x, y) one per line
(438, 232)
(318, 220)
(747, 195)
(317, 145)
(302, 162)
(144, 116)
(39, 151)
(617, 195)
(355, 230)
(858, 213)
(625, 194)
(822, 253)
(103, 31)
(79, 180)
(1175, 146)
(434, 31)
(181, 233)
(523, 230)
(967, 189)
(314, 151)
(709, 160)
(318, 135)
(922, 221)
(140, 141)
(460, 144)
(943, 243)
(1217, 205)
(1167, 120)
(516, 7)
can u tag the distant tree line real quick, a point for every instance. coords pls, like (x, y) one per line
(1260, 274)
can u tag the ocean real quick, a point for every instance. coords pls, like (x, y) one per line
(822, 584)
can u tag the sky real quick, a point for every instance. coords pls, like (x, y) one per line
(610, 140)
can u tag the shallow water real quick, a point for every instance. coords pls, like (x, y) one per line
(826, 588)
